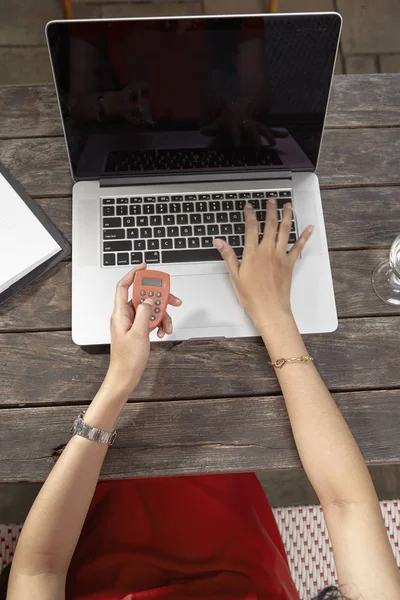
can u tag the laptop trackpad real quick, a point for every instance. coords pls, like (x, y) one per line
(208, 301)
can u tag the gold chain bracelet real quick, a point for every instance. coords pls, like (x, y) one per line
(278, 364)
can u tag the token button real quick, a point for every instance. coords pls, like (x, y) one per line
(157, 310)
(152, 318)
(158, 294)
(158, 302)
(150, 293)
(141, 300)
(142, 293)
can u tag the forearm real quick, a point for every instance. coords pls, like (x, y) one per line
(328, 451)
(54, 524)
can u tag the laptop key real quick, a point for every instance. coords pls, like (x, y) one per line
(292, 238)
(169, 219)
(175, 208)
(180, 243)
(148, 209)
(176, 198)
(234, 240)
(212, 230)
(139, 245)
(227, 205)
(269, 194)
(122, 201)
(217, 196)
(149, 198)
(255, 204)
(172, 231)
(198, 255)
(155, 220)
(215, 206)
(195, 219)
(222, 217)
(208, 218)
(129, 221)
(285, 194)
(135, 209)
(166, 244)
(186, 230)
(194, 242)
(201, 206)
(199, 230)
(152, 257)
(239, 204)
(124, 245)
(122, 210)
(226, 229)
(282, 201)
(108, 211)
(238, 228)
(260, 214)
(153, 244)
(230, 196)
(207, 242)
(108, 201)
(190, 197)
(161, 208)
(122, 258)
(235, 217)
(132, 233)
(159, 232)
(163, 198)
(145, 232)
(136, 200)
(182, 219)
(220, 237)
(109, 260)
(142, 221)
(258, 194)
(136, 258)
(204, 196)
(245, 195)
(113, 234)
(112, 222)
(187, 207)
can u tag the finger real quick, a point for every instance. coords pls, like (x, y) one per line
(123, 285)
(160, 332)
(174, 300)
(284, 227)
(278, 133)
(271, 222)
(253, 133)
(250, 227)
(228, 255)
(301, 242)
(142, 316)
(166, 324)
(267, 133)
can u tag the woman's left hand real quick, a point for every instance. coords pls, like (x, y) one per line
(130, 344)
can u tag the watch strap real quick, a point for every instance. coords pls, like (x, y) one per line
(81, 428)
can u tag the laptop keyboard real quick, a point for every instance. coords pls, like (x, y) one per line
(180, 228)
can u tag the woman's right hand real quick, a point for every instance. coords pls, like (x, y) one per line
(263, 279)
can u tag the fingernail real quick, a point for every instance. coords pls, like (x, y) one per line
(272, 200)
(179, 301)
(310, 228)
(169, 328)
(218, 244)
(149, 301)
(248, 205)
(288, 205)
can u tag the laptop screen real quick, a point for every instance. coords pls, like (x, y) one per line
(193, 95)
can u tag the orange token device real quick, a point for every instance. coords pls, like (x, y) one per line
(154, 285)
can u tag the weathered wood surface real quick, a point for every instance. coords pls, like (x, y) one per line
(47, 368)
(175, 438)
(349, 157)
(46, 304)
(356, 101)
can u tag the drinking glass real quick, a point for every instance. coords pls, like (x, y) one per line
(386, 276)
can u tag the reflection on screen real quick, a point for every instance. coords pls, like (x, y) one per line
(184, 95)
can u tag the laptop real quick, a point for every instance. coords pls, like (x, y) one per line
(171, 125)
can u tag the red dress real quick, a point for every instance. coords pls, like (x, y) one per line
(211, 536)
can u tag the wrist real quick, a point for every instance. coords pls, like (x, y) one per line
(119, 385)
(282, 338)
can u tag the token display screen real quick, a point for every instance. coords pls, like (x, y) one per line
(152, 281)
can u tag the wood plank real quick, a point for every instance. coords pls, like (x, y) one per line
(371, 100)
(349, 158)
(47, 368)
(173, 438)
(60, 212)
(46, 304)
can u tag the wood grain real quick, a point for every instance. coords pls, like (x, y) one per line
(32, 110)
(348, 158)
(174, 438)
(38, 368)
(46, 304)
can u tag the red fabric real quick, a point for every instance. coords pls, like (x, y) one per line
(211, 536)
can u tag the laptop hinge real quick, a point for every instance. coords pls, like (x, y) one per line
(198, 178)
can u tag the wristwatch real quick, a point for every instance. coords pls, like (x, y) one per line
(92, 433)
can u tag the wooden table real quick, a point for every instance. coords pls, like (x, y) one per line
(209, 406)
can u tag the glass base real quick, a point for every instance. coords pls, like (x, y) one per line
(386, 284)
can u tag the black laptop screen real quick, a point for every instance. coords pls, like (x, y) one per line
(193, 94)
